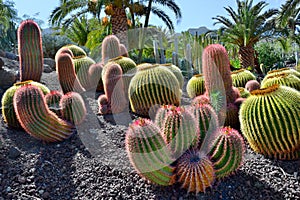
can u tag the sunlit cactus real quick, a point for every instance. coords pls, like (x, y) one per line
(82, 65)
(282, 79)
(8, 111)
(153, 85)
(285, 70)
(30, 51)
(66, 74)
(227, 151)
(110, 48)
(177, 72)
(52, 99)
(76, 50)
(36, 118)
(123, 50)
(73, 108)
(195, 86)
(241, 77)
(147, 152)
(195, 172)
(95, 76)
(180, 130)
(103, 105)
(275, 128)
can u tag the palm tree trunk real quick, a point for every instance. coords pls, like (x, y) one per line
(247, 58)
(119, 24)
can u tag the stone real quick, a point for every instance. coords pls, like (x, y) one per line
(51, 63)
(8, 77)
(47, 68)
(14, 153)
(1, 63)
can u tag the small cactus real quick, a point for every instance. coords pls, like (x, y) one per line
(282, 79)
(36, 118)
(147, 152)
(244, 93)
(73, 108)
(30, 51)
(76, 50)
(123, 50)
(66, 74)
(195, 86)
(8, 111)
(195, 172)
(95, 76)
(153, 85)
(82, 65)
(227, 151)
(275, 128)
(252, 85)
(110, 48)
(52, 99)
(202, 99)
(241, 77)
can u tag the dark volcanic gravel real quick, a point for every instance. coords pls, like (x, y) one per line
(93, 164)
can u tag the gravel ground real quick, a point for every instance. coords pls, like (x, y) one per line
(92, 164)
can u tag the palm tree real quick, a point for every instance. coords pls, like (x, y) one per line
(245, 28)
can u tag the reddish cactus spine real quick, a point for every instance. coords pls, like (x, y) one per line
(36, 118)
(30, 51)
(110, 48)
(66, 74)
(95, 77)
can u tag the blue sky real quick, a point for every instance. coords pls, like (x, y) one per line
(195, 13)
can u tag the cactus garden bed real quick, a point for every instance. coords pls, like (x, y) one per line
(88, 167)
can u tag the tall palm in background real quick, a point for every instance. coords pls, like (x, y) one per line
(246, 27)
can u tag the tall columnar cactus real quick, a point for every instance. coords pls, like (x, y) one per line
(8, 111)
(82, 65)
(153, 85)
(195, 86)
(30, 51)
(52, 99)
(227, 151)
(282, 79)
(180, 130)
(147, 152)
(95, 76)
(66, 74)
(241, 77)
(177, 72)
(195, 172)
(275, 128)
(36, 118)
(110, 48)
(252, 85)
(73, 108)
(114, 89)
(206, 117)
(123, 50)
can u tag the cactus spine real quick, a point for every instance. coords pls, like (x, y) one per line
(30, 51)
(66, 74)
(241, 77)
(177, 72)
(153, 85)
(82, 65)
(110, 48)
(52, 99)
(277, 135)
(148, 153)
(195, 172)
(8, 111)
(95, 76)
(227, 151)
(36, 118)
(282, 79)
(195, 86)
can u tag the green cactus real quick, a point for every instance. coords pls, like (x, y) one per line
(153, 85)
(227, 151)
(275, 128)
(147, 152)
(177, 72)
(110, 48)
(73, 108)
(76, 50)
(36, 118)
(244, 93)
(30, 51)
(95, 76)
(66, 74)
(8, 111)
(283, 70)
(180, 130)
(82, 65)
(241, 77)
(195, 86)
(161, 114)
(52, 99)
(195, 172)
(282, 79)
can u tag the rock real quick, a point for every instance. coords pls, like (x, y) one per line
(21, 179)
(14, 153)
(8, 77)
(47, 68)
(50, 62)
(11, 56)
(1, 63)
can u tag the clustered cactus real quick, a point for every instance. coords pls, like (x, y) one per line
(172, 150)
(282, 79)
(274, 131)
(241, 77)
(195, 86)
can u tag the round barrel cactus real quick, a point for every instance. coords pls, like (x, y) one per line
(8, 111)
(285, 70)
(275, 128)
(282, 79)
(52, 99)
(227, 151)
(195, 86)
(177, 73)
(153, 85)
(76, 50)
(82, 66)
(241, 77)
